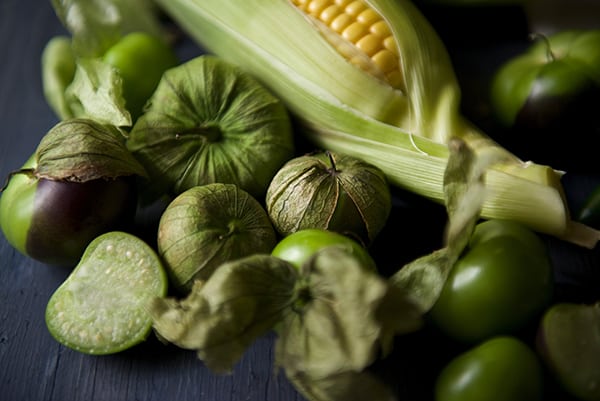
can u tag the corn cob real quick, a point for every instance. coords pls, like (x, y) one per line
(361, 35)
(398, 112)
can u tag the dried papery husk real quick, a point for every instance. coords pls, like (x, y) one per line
(209, 225)
(208, 122)
(81, 149)
(221, 317)
(330, 191)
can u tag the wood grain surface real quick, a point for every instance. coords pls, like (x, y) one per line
(34, 367)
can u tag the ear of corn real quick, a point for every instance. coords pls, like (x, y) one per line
(397, 111)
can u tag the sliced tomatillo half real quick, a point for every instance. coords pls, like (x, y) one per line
(101, 307)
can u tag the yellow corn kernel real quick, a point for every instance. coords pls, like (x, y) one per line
(369, 44)
(316, 6)
(381, 29)
(368, 17)
(328, 14)
(341, 22)
(355, 8)
(302, 4)
(390, 44)
(385, 60)
(359, 34)
(354, 32)
(342, 3)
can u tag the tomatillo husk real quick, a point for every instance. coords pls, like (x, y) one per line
(209, 122)
(330, 191)
(209, 225)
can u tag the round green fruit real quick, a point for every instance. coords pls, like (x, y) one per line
(502, 282)
(141, 59)
(569, 342)
(329, 191)
(500, 369)
(300, 246)
(209, 225)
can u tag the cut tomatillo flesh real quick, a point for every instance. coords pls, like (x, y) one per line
(101, 307)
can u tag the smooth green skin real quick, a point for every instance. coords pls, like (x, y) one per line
(502, 282)
(17, 207)
(535, 74)
(569, 342)
(300, 246)
(53, 221)
(141, 59)
(500, 369)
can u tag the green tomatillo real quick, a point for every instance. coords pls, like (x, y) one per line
(298, 247)
(140, 59)
(502, 368)
(78, 185)
(569, 343)
(548, 96)
(499, 285)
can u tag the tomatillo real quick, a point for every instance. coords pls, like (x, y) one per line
(502, 281)
(569, 343)
(79, 183)
(501, 369)
(548, 96)
(141, 59)
(298, 247)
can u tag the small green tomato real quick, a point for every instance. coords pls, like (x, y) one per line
(300, 246)
(141, 60)
(500, 369)
(499, 285)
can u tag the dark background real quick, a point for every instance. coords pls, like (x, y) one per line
(35, 367)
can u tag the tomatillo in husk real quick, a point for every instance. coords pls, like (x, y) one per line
(211, 122)
(79, 184)
(208, 225)
(330, 191)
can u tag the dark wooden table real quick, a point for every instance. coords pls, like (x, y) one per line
(34, 367)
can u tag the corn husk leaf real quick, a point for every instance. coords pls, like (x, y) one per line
(465, 192)
(341, 108)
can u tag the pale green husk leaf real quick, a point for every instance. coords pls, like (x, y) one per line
(405, 133)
